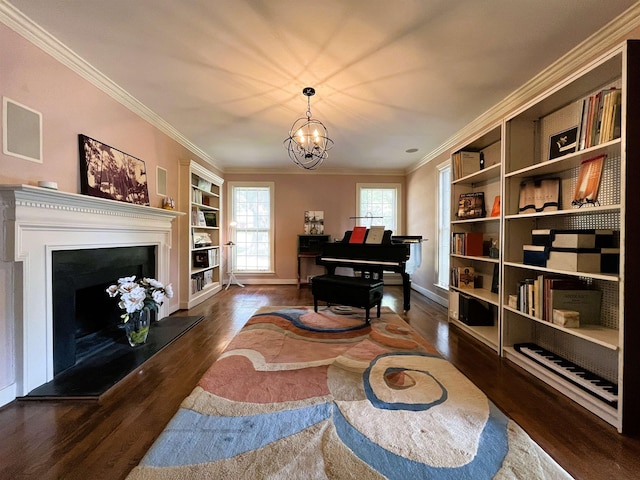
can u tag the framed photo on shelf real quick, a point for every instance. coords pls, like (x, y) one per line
(201, 239)
(204, 184)
(562, 143)
(210, 219)
(200, 259)
(588, 182)
(471, 205)
(107, 172)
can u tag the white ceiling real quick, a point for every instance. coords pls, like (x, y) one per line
(390, 75)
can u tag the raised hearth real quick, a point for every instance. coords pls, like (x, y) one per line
(94, 375)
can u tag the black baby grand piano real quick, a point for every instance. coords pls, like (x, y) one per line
(389, 256)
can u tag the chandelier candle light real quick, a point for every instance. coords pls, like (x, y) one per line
(308, 140)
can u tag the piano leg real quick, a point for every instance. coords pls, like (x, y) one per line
(406, 290)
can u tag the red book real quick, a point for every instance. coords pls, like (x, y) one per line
(358, 234)
(473, 244)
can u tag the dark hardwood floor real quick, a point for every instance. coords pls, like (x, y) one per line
(106, 439)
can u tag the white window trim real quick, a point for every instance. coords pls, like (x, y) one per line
(447, 216)
(399, 212)
(230, 195)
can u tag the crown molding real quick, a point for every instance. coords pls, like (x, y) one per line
(608, 37)
(30, 30)
(320, 171)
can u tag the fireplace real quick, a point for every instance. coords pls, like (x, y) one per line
(85, 319)
(38, 225)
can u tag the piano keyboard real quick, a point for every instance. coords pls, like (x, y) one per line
(595, 385)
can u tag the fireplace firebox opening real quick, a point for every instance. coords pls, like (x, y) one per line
(86, 321)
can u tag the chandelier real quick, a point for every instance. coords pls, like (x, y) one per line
(308, 140)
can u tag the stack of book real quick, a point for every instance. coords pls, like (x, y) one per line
(469, 243)
(600, 120)
(466, 163)
(541, 296)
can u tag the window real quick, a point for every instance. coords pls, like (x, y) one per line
(252, 211)
(382, 202)
(444, 212)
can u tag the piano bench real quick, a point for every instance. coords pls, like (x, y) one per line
(353, 291)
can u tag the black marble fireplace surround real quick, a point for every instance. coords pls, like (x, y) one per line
(85, 318)
(91, 352)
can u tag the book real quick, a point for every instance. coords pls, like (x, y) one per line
(527, 201)
(553, 282)
(473, 244)
(471, 205)
(495, 210)
(200, 218)
(358, 235)
(466, 277)
(586, 302)
(539, 195)
(547, 196)
(469, 163)
(457, 243)
(465, 163)
(588, 182)
(375, 235)
(582, 131)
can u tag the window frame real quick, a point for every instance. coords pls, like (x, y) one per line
(399, 230)
(231, 233)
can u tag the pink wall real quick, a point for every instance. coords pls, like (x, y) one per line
(295, 193)
(71, 105)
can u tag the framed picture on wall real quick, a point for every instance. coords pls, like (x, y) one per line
(107, 172)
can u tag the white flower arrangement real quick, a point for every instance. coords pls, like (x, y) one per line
(136, 295)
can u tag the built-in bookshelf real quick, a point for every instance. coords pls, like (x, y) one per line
(200, 234)
(474, 299)
(563, 311)
(548, 141)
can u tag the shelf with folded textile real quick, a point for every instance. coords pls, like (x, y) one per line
(475, 225)
(565, 228)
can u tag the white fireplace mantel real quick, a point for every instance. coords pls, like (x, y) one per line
(36, 222)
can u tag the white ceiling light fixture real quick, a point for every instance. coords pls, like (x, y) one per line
(308, 140)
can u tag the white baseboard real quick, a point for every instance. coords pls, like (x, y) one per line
(431, 295)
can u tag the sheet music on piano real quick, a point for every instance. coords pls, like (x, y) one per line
(389, 256)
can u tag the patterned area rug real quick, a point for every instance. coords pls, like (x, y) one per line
(299, 394)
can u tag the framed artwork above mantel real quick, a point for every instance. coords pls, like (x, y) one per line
(107, 172)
